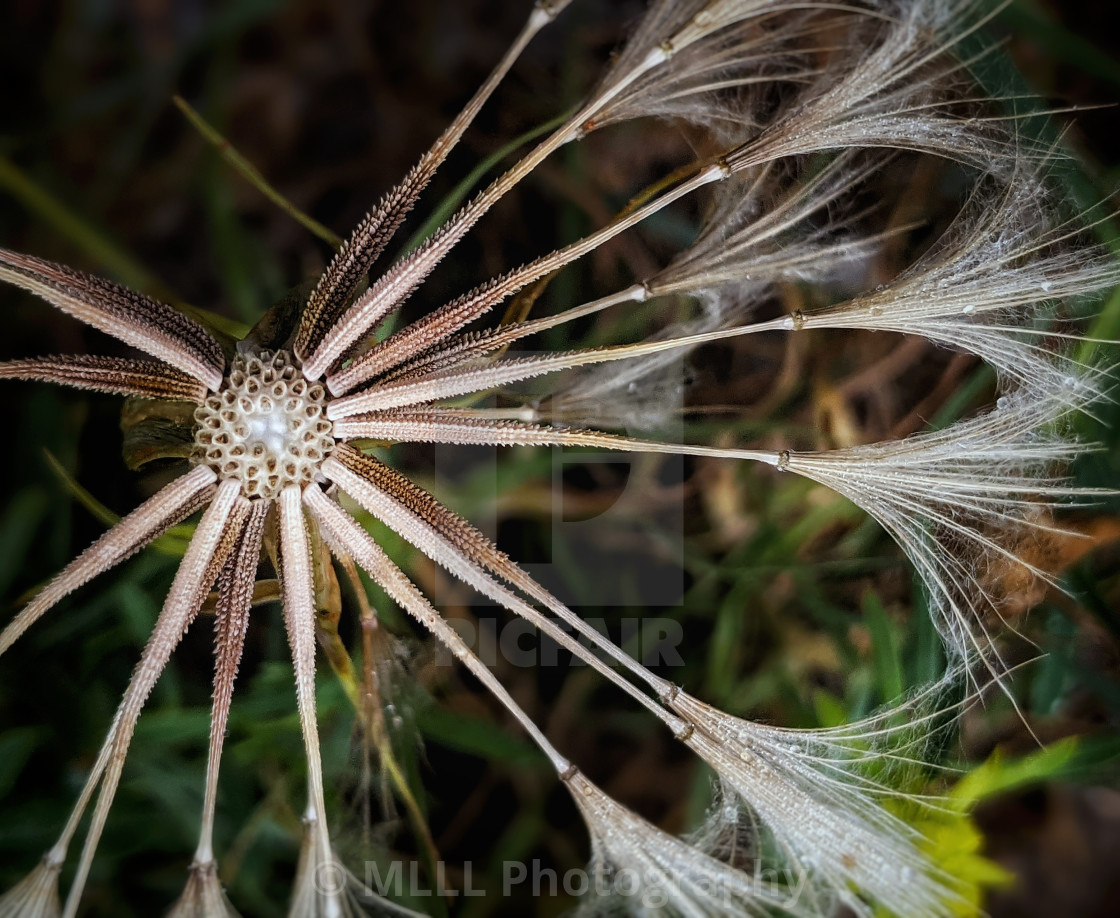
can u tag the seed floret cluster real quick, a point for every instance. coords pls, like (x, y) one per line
(267, 427)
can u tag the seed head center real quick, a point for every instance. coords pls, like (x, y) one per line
(267, 427)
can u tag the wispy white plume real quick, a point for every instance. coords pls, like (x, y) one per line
(647, 870)
(818, 795)
(325, 888)
(36, 895)
(985, 288)
(894, 95)
(719, 69)
(203, 896)
(644, 393)
(962, 502)
(766, 228)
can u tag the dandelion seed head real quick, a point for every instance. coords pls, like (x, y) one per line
(266, 427)
(796, 104)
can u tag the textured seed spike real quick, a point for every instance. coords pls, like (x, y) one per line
(456, 545)
(466, 537)
(343, 532)
(450, 427)
(369, 240)
(437, 326)
(397, 284)
(458, 381)
(427, 332)
(206, 554)
(147, 324)
(356, 257)
(461, 348)
(419, 336)
(114, 375)
(235, 595)
(175, 502)
(316, 893)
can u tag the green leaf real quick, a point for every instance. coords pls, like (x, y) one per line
(468, 734)
(884, 648)
(950, 836)
(999, 775)
(16, 747)
(17, 526)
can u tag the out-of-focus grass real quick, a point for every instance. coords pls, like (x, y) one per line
(793, 606)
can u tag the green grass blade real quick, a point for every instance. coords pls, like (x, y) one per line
(250, 173)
